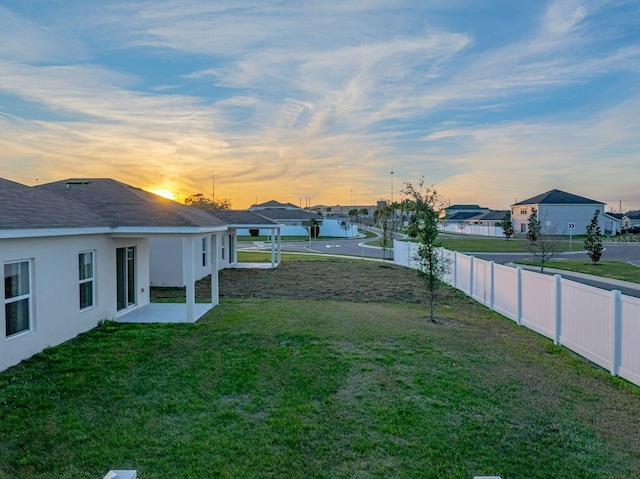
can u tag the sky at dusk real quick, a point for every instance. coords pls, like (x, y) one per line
(491, 101)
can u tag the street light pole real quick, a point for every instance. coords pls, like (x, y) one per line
(392, 187)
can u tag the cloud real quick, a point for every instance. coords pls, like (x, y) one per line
(318, 98)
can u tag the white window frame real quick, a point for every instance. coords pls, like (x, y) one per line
(88, 280)
(28, 296)
(204, 251)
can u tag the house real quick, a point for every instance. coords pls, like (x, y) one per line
(613, 223)
(295, 220)
(458, 212)
(632, 218)
(77, 251)
(248, 220)
(490, 218)
(559, 213)
(483, 224)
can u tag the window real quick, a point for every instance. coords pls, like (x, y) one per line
(222, 248)
(523, 211)
(17, 297)
(85, 277)
(204, 251)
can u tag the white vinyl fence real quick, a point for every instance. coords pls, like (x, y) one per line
(479, 230)
(602, 326)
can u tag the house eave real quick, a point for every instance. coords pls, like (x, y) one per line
(123, 231)
(50, 232)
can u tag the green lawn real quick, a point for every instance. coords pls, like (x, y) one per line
(318, 389)
(483, 244)
(608, 269)
(265, 257)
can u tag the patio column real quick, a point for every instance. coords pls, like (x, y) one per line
(279, 245)
(189, 275)
(214, 270)
(273, 247)
(233, 247)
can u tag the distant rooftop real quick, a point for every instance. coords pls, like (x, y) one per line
(557, 197)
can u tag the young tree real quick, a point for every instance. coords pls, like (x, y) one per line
(383, 215)
(203, 202)
(507, 227)
(593, 240)
(542, 244)
(423, 206)
(534, 227)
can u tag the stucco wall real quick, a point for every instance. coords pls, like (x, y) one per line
(56, 315)
(166, 260)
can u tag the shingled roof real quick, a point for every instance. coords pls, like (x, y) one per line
(243, 218)
(557, 197)
(122, 205)
(297, 214)
(26, 208)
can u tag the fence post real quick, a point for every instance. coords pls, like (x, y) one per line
(616, 330)
(471, 258)
(519, 270)
(492, 297)
(558, 334)
(455, 269)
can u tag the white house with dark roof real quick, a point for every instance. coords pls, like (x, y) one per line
(76, 252)
(295, 220)
(557, 211)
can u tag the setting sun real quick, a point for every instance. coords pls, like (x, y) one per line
(164, 193)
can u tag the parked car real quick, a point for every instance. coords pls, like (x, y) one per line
(634, 229)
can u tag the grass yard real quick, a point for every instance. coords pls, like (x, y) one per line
(475, 244)
(608, 269)
(332, 381)
(265, 257)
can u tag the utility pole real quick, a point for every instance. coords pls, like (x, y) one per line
(213, 186)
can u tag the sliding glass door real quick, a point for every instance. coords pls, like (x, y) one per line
(126, 277)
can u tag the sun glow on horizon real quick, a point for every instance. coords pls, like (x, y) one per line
(164, 193)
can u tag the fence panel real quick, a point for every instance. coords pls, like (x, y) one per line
(463, 273)
(629, 338)
(539, 303)
(587, 316)
(482, 281)
(403, 254)
(505, 291)
(448, 258)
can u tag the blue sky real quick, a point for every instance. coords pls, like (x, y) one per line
(490, 101)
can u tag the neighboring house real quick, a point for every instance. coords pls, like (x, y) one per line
(461, 211)
(490, 218)
(483, 224)
(76, 252)
(557, 210)
(632, 218)
(612, 223)
(248, 220)
(295, 220)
